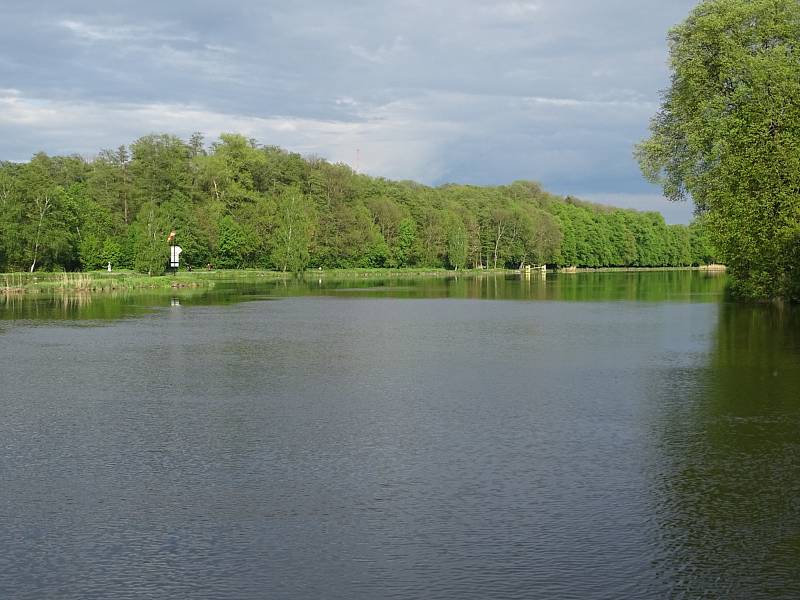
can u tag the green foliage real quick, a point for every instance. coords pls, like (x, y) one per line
(700, 244)
(111, 253)
(46, 218)
(236, 204)
(148, 240)
(232, 247)
(728, 135)
(160, 169)
(180, 216)
(293, 232)
(403, 250)
(376, 254)
(545, 239)
(457, 245)
(90, 251)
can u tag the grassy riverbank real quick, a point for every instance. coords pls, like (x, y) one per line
(102, 281)
(713, 268)
(96, 281)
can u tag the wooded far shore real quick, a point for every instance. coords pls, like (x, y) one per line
(24, 283)
(236, 204)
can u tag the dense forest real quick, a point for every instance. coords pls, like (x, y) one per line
(237, 204)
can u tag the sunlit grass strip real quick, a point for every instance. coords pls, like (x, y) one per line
(24, 283)
(99, 281)
(404, 272)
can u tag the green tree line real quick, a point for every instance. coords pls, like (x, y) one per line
(238, 204)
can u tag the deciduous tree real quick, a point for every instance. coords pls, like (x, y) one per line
(728, 136)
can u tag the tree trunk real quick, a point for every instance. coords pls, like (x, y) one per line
(43, 208)
(497, 244)
(288, 250)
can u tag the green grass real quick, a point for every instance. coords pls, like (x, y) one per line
(100, 281)
(95, 281)
(386, 273)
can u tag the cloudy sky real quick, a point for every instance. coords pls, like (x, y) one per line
(472, 91)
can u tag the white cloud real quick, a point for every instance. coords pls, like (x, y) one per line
(99, 32)
(479, 91)
(220, 48)
(513, 11)
(394, 140)
(415, 137)
(383, 53)
(213, 64)
(162, 46)
(592, 103)
(346, 101)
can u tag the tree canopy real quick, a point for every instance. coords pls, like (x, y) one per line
(728, 136)
(237, 204)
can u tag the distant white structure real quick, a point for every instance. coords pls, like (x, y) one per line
(175, 256)
(109, 267)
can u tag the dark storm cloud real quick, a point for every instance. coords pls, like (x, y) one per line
(452, 90)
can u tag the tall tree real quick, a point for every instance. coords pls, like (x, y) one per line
(293, 233)
(728, 135)
(48, 224)
(457, 243)
(149, 240)
(160, 169)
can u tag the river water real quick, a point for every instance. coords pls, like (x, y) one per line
(603, 435)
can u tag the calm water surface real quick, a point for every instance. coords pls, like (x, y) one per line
(585, 436)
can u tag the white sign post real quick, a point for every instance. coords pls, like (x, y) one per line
(175, 257)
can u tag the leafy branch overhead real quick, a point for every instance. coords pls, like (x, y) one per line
(728, 136)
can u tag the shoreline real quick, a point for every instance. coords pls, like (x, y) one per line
(20, 284)
(713, 268)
